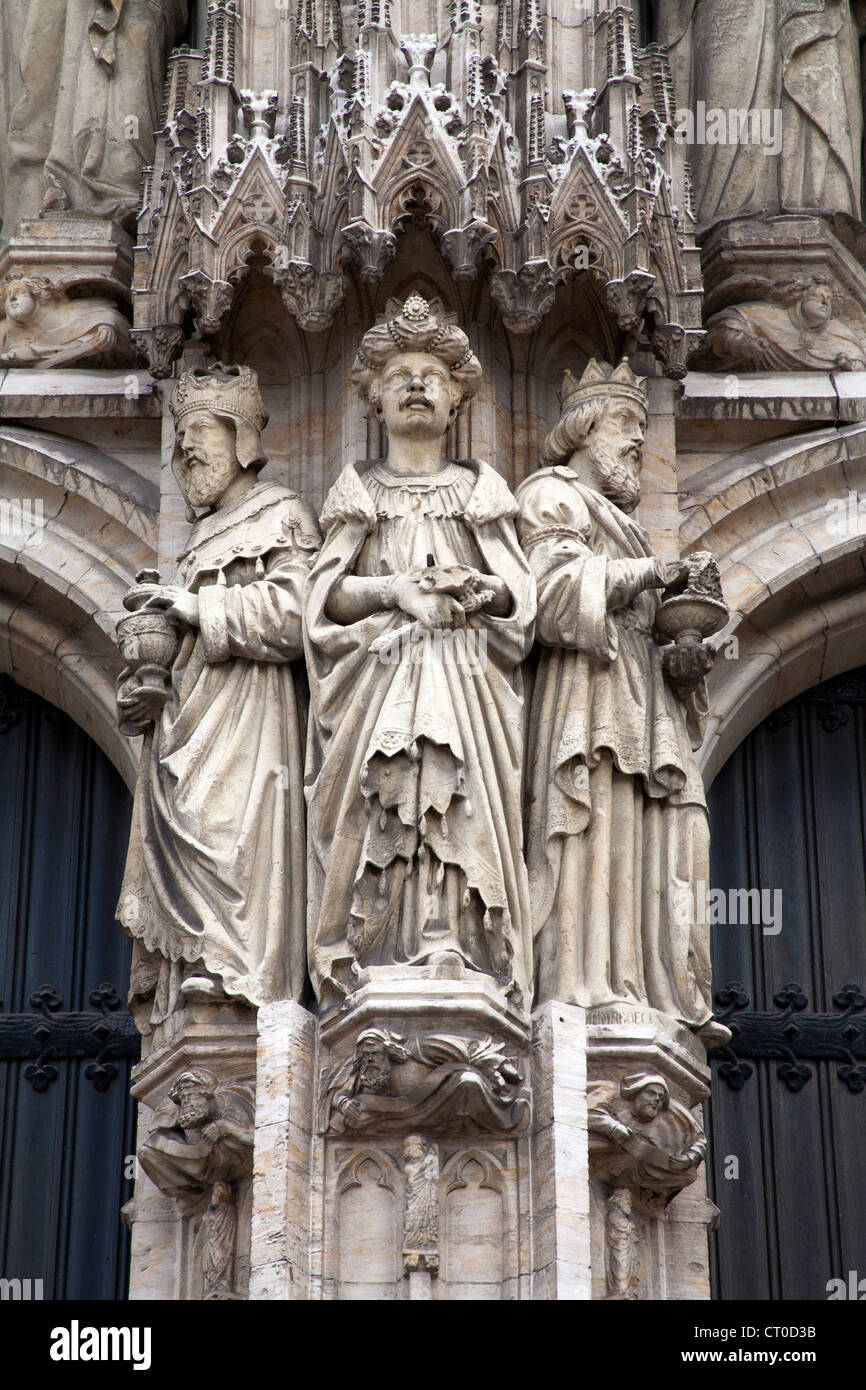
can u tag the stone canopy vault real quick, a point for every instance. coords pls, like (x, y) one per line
(334, 331)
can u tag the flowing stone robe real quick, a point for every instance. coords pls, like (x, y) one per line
(617, 823)
(87, 72)
(413, 773)
(798, 56)
(216, 860)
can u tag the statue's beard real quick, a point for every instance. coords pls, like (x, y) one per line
(618, 481)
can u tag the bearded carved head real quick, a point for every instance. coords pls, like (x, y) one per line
(601, 431)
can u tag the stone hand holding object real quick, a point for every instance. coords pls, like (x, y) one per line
(688, 613)
(148, 642)
(466, 584)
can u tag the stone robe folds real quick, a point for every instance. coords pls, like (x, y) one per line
(618, 839)
(88, 75)
(413, 775)
(215, 867)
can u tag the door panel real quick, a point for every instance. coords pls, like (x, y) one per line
(788, 811)
(66, 1043)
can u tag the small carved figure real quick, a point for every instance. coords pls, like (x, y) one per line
(467, 1084)
(418, 616)
(799, 332)
(40, 325)
(421, 1219)
(621, 1266)
(217, 1243)
(641, 1138)
(215, 868)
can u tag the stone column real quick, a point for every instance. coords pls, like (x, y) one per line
(560, 1157)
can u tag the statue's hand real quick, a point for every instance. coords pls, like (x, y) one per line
(431, 610)
(136, 705)
(685, 666)
(676, 577)
(177, 603)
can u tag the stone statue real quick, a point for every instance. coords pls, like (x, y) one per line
(621, 1265)
(642, 1139)
(470, 1083)
(217, 1243)
(799, 332)
(215, 869)
(418, 615)
(800, 58)
(40, 325)
(88, 78)
(205, 1137)
(421, 1216)
(617, 815)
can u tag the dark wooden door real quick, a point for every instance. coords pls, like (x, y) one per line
(788, 1116)
(66, 1040)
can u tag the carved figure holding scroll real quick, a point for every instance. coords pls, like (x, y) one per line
(40, 325)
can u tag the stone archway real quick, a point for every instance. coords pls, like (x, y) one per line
(76, 525)
(782, 520)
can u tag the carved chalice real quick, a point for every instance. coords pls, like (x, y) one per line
(148, 642)
(687, 618)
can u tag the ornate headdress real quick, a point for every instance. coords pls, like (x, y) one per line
(600, 380)
(416, 326)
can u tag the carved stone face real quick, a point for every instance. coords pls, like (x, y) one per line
(816, 306)
(648, 1102)
(194, 1105)
(20, 303)
(209, 460)
(415, 396)
(374, 1068)
(614, 448)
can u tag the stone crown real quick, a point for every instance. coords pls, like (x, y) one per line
(232, 390)
(600, 379)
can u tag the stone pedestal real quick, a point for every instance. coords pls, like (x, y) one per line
(220, 1041)
(649, 1227)
(742, 259)
(72, 246)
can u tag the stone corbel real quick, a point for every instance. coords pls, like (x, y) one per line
(465, 248)
(627, 299)
(673, 345)
(159, 347)
(199, 1153)
(211, 299)
(372, 250)
(313, 298)
(524, 296)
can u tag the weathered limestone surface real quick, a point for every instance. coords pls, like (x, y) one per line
(430, 1139)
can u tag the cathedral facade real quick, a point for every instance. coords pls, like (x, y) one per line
(432, 621)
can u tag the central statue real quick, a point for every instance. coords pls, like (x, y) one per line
(418, 613)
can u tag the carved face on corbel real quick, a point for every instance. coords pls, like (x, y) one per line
(194, 1101)
(20, 302)
(208, 461)
(816, 306)
(374, 1066)
(649, 1102)
(414, 396)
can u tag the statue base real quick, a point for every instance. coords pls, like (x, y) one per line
(167, 1233)
(742, 259)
